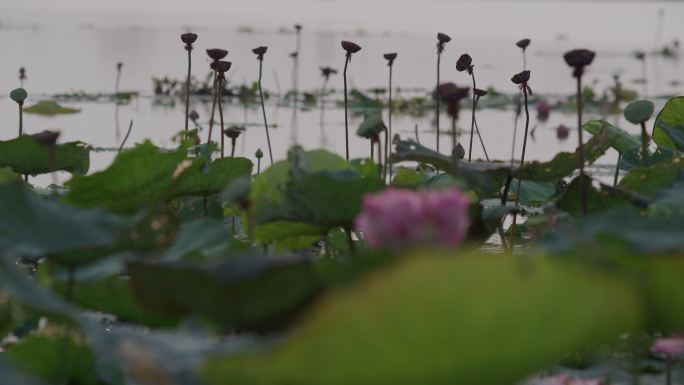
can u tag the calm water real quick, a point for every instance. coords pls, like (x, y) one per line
(73, 45)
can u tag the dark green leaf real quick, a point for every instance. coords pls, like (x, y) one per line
(26, 156)
(239, 292)
(616, 137)
(672, 115)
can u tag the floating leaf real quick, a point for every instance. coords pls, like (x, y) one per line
(639, 111)
(436, 306)
(533, 193)
(49, 108)
(672, 115)
(238, 292)
(24, 155)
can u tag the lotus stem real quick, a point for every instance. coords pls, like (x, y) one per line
(187, 90)
(644, 143)
(346, 118)
(263, 111)
(389, 122)
(580, 150)
(213, 108)
(219, 92)
(439, 57)
(522, 161)
(472, 120)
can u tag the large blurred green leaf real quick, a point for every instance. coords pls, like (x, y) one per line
(217, 175)
(672, 115)
(329, 198)
(440, 320)
(617, 138)
(33, 226)
(137, 177)
(268, 190)
(621, 229)
(13, 375)
(298, 199)
(249, 291)
(56, 359)
(26, 156)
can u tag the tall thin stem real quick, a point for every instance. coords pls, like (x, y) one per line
(324, 140)
(477, 130)
(219, 88)
(380, 172)
(644, 143)
(213, 110)
(346, 119)
(384, 172)
(439, 58)
(232, 147)
(389, 121)
(187, 90)
(522, 162)
(263, 110)
(21, 119)
(472, 119)
(580, 149)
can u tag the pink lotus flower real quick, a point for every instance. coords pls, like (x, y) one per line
(398, 218)
(673, 346)
(543, 110)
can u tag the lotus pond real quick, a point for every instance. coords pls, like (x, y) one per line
(401, 209)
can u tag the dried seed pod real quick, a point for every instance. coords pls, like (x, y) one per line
(480, 93)
(188, 38)
(327, 71)
(350, 47)
(578, 59)
(390, 57)
(464, 63)
(523, 44)
(260, 51)
(217, 54)
(221, 66)
(443, 38)
(232, 132)
(521, 78)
